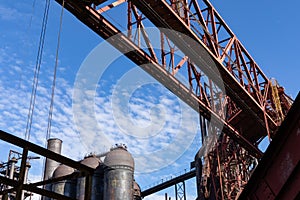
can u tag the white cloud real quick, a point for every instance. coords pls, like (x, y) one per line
(7, 13)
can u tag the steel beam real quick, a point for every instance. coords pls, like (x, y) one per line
(33, 189)
(169, 183)
(44, 152)
(277, 175)
(74, 175)
(28, 146)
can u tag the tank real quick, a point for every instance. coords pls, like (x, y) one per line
(64, 187)
(53, 144)
(98, 183)
(118, 174)
(97, 179)
(136, 191)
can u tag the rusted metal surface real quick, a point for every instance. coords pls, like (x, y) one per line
(107, 30)
(252, 108)
(239, 78)
(118, 174)
(278, 174)
(251, 102)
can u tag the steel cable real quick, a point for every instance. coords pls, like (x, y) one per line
(54, 74)
(37, 71)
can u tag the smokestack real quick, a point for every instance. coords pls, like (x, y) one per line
(54, 144)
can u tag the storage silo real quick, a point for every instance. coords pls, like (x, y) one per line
(118, 174)
(64, 187)
(98, 183)
(97, 179)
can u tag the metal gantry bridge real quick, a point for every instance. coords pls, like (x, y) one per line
(250, 108)
(235, 100)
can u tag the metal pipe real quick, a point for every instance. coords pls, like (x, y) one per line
(13, 162)
(100, 155)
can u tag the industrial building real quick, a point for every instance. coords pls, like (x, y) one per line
(238, 107)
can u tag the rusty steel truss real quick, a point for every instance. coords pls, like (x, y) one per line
(237, 103)
(233, 120)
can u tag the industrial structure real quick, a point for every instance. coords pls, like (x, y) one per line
(238, 105)
(11, 170)
(113, 178)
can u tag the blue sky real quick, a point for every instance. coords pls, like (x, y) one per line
(267, 29)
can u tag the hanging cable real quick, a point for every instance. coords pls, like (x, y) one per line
(48, 133)
(37, 70)
(54, 74)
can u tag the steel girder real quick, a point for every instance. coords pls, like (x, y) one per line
(252, 111)
(125, 44)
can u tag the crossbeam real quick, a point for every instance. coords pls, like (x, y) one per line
(169, 183)
(7, 137)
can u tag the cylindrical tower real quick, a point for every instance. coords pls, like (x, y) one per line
(64, 187)
(54, 145)
(93, 162)
(118, 174)
(98, 183)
